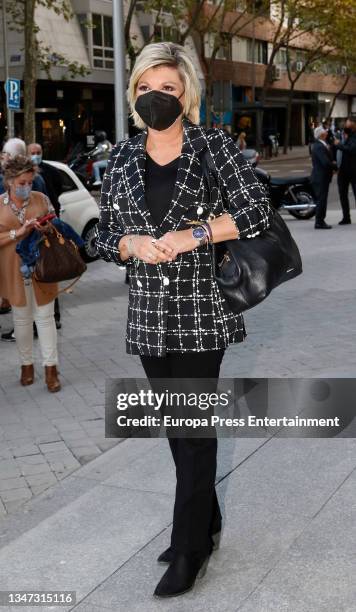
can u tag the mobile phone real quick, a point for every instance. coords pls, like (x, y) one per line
(43, 220)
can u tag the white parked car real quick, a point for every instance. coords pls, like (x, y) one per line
(78, 208)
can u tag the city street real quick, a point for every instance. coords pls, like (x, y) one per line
(81, 512)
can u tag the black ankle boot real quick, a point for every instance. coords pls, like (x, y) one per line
(181, 575)
(167, 555)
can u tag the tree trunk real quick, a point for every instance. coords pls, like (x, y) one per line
(30, 72)
(337, 95)
(208, 97)
(288, 119)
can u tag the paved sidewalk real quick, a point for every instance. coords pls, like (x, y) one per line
(306, 328)
(288, 542)
(79, 515)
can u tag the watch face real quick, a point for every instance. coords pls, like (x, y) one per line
(199, 233)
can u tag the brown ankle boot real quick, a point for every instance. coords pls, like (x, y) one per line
(27, 375)
(52, 381)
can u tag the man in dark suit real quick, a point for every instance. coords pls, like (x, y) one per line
(347, 169)
(323, 167)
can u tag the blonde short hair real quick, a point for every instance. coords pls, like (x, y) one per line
(169, 54)
(15, 166)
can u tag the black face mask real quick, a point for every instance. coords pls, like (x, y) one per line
(158, 109)
(347, 130)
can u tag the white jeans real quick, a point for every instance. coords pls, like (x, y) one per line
(46, 328)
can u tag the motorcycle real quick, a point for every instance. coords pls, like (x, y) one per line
(82, 165)
(294, 194)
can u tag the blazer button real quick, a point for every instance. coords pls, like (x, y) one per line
(139, 284)
(200, 210)
(165, 280)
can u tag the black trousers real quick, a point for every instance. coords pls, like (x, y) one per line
(344, 180)
(321, 191)
(196, 513)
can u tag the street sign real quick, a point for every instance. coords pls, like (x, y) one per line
(12, 89)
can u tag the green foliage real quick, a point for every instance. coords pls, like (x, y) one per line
(46, 57)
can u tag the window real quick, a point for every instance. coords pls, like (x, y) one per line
(260, 51)
(281, 57)
(225, 50)
(103, 43)
(67, 184)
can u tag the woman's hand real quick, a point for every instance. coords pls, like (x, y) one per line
(181, 241)
(26, 228)
(146, 249)
(45, 228)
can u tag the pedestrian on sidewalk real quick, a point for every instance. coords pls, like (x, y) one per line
(347, 167)
(11, 148)
(178, 320)
(321, 176)
(53, 182)
(20, 207)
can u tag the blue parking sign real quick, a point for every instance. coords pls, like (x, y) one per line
(13, 93)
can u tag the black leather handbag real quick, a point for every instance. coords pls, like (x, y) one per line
(247, 269)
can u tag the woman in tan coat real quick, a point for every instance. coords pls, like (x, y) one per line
(30, 300)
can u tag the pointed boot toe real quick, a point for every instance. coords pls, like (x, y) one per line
(181, 575)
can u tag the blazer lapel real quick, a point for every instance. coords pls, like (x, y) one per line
(134, 177)
(189, 178)
(187, 184)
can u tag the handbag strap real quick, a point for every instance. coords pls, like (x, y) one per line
(64, 290)
(208, 165)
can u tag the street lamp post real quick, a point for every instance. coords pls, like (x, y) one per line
(6, 68)
(121, 127)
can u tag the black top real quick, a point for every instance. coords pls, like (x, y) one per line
(160, 182)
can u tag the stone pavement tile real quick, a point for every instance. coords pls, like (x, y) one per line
(52, 447)
(46, 437)
(7, 484)
(8, 416)
(87, 453)
(13, 431)
(296, 476)
(141, 475)
(4, 451)
(45, 504)
(24, 450)
(40, 482)
(232, 571)
(80, 545)
(37, 468)
(119, 458)
(22, 493)
(66, 424)
(317, 572)
(9, 468)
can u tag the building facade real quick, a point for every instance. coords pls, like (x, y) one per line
(67, 110)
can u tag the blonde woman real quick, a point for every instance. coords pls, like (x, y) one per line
(178, 321)
(20, 207)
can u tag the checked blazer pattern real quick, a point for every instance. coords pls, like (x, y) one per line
(177, 306)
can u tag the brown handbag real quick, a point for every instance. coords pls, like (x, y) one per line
(59, 259)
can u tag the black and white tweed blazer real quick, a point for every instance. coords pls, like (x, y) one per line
(177, 306)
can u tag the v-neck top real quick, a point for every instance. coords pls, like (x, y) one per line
(160, 182)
